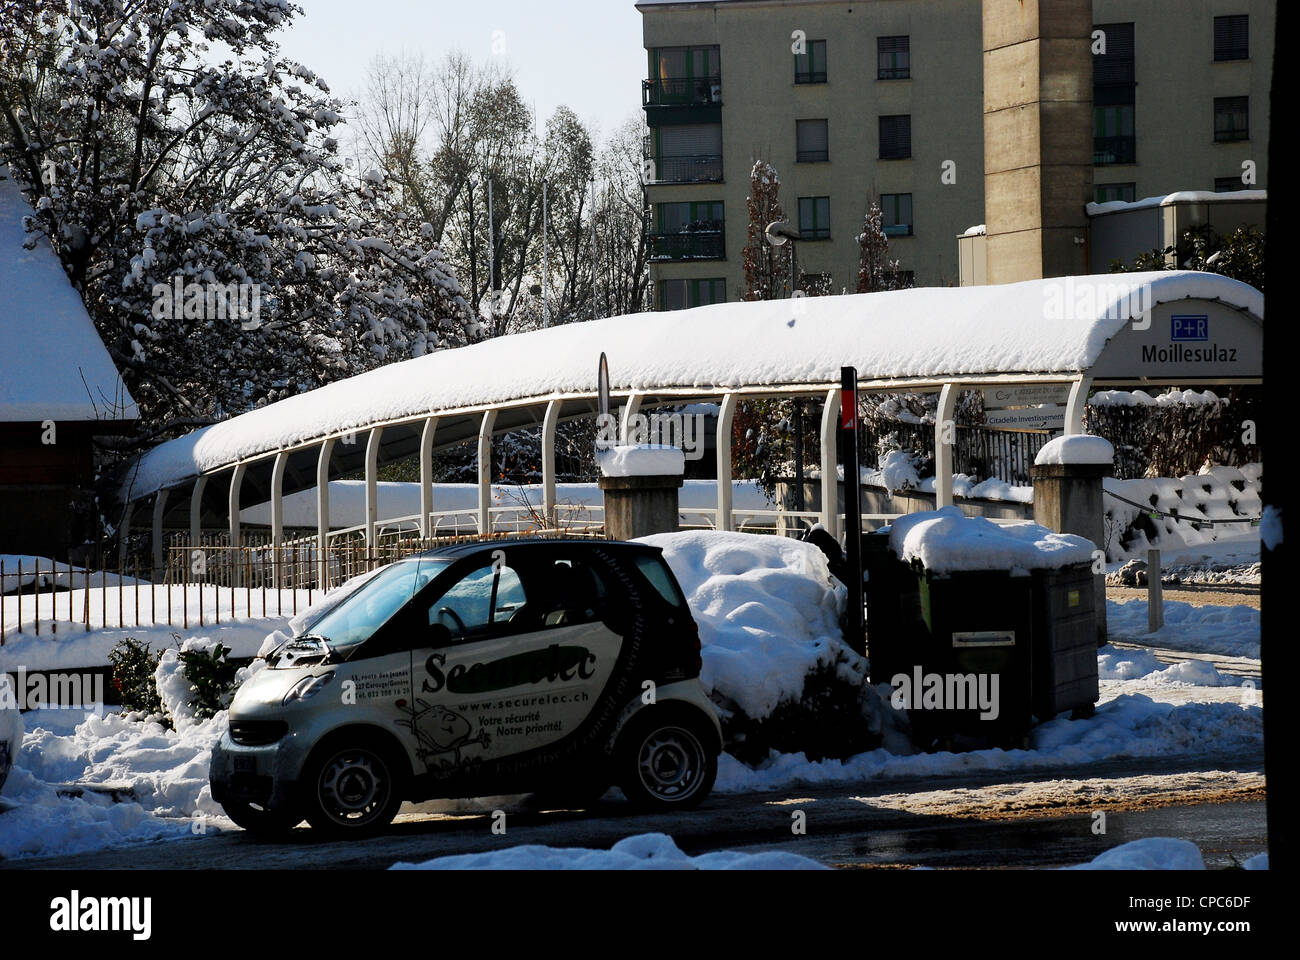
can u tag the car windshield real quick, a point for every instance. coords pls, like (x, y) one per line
(372, 605)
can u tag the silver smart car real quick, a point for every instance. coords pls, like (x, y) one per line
(508, 666)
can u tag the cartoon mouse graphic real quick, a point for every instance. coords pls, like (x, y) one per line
(440, 731)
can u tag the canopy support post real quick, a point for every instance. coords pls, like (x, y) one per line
(323, 513)
(485, 471)
(232, 507)
(159, 508)
(426, 477)
(372, 492)
(945, 435)
(830, 481)
(549, 423)
(1075, 404)
(726, 413)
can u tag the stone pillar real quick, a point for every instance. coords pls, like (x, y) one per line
(1068, 499)
(639, 506)
(1038, 126)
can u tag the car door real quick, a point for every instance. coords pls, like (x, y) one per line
(522, 661)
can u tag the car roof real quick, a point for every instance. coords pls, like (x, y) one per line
(455, 551)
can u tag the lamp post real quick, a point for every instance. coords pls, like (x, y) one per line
(778, 233)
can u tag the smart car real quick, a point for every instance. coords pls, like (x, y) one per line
(487, 668)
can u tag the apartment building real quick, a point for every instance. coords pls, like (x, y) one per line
(852, 100)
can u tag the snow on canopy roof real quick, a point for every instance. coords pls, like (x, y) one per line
(54, 365)
(1182, 196)
(924, 333)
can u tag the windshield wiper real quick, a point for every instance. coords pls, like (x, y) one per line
(322, 641)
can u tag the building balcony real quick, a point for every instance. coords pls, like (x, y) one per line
(1108, 151)
(709, 244)
(697, 168)
(682, 92)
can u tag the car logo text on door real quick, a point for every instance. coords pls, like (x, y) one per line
(536, 666)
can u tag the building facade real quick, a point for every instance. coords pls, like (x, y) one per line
(854, 100)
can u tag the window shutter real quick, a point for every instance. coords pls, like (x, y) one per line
(896, 137)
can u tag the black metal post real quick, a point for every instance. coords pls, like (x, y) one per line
(852, 503)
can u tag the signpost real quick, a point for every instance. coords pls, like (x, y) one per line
(852, 501)
(1025, 395)
(1046, 417)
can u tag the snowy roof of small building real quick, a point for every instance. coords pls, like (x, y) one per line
(1182, 196)
(54, 365)
(922, 334)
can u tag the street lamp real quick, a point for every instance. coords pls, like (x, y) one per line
(778, 232)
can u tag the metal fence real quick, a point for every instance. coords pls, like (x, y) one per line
(981, 453)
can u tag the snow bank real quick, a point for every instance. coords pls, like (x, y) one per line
(1116, 664)
(1130, 725)
(946, 541)
(641, 460)
(646, 851)
(768, 611)
(1076, 449)
(1149, 853)
(921, 332)
(1227, 631)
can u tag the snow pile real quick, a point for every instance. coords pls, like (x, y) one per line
(641, 460)
(768, 611)
(1149, 853)
(947, 541)
(898, 471)
(646, 851)
(1227, 631)
(1140, 398)
(978, 230)
(1076, 449)
(11, 728)
(1116, 664)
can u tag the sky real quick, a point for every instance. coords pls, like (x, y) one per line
(586, 54)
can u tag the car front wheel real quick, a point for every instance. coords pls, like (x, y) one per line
(352, 790)
(665, 764)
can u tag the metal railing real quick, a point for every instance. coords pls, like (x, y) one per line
(682, 91)
(691, 245)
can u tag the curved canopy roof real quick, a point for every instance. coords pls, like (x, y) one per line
(1034, 331)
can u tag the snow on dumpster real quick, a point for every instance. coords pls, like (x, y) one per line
(947, 541)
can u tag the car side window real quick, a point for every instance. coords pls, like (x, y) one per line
(481, 602)
(563, 591)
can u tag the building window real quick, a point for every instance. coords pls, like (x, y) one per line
(812, 141)
(688, 231)
(1231, 119)
(1228, 184)
(681, 294)
(893, 58)
(814, 218)
(1114, 90)
(684, 76)
(1109, 192)
(685, 153)
(896, 214)
(896, 137)
(810, 66)
(1232, 38)
(1113, 140)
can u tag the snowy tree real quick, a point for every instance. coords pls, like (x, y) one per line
(875, 270)
(1239, 255)
(158, 168)
(767, 271)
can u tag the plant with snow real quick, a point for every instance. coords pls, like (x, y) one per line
(875, 270)
(767, 270)
(134, 665)
(151, 160)
(211, 677)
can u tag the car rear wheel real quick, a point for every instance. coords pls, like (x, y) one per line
(665, 764)
(352, 789)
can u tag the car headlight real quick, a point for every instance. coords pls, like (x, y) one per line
(307, 687)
